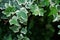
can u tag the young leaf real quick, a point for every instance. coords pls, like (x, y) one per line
(36, 10)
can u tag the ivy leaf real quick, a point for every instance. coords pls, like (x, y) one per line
(14, 21)
(22, 15)
(15, 28)
(53, 11)
(36, 10)
(24, 30)
(8, 11)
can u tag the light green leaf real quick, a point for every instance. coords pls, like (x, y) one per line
(22, 15)
(36, 10)
(24, 30)
(14, 21)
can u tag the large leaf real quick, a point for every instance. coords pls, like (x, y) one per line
(22, 15)
(14, 21)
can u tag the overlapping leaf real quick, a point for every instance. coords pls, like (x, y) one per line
(22, 15)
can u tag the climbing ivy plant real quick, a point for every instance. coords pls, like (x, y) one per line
(16, 13)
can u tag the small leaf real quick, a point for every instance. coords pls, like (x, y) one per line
(14, 21)
(36, 10)
(53, 11)
(24, 30)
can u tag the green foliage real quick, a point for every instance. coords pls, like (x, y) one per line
(16, 13)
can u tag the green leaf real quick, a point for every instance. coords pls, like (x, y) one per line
(22, 15)
(14, 21)
(53, 11)
(15, 28)
(24, 30)
(8, 11)
(36, 10)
